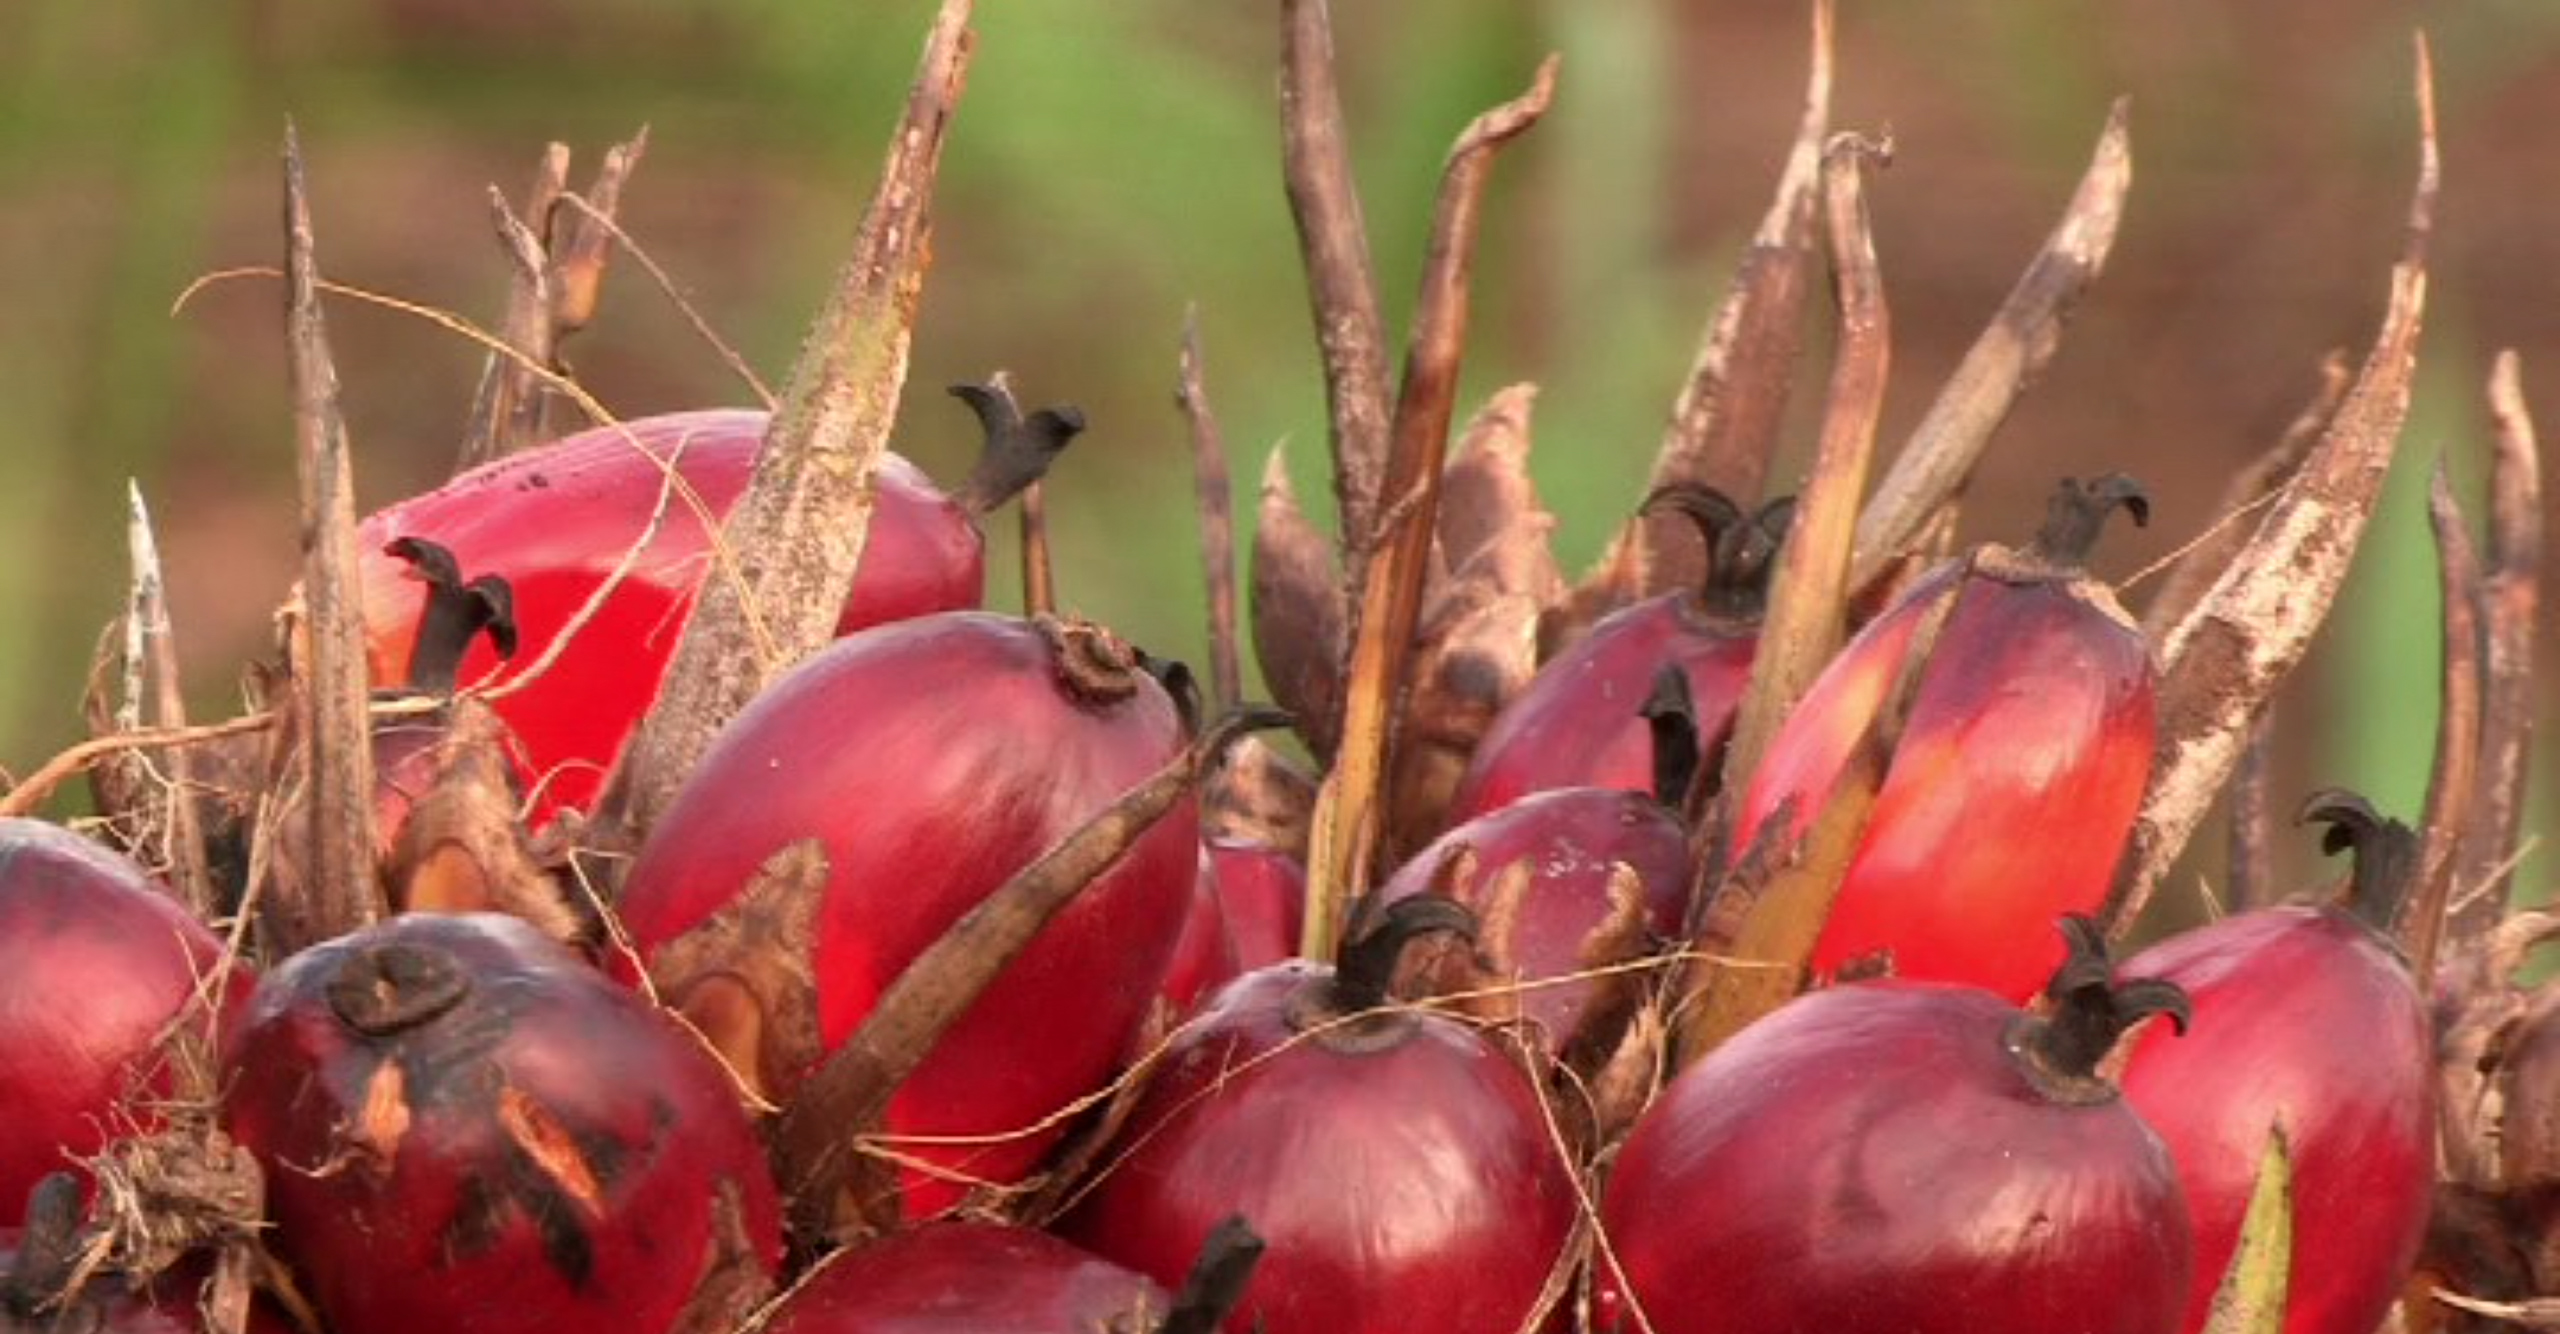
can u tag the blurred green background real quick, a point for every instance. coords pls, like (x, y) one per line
(1115, 159)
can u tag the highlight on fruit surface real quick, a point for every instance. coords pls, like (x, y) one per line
(1395, 1159)
(2308, 1022)
(463, 1126)
(97, 967)
(1907, 1158)
(1578, 725)
(556, 522)
(2014, 697)
(858, 809)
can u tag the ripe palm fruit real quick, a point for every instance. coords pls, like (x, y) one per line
(1907, 1158)
(2014, 698)
(2308, 1021)
(1578, 724)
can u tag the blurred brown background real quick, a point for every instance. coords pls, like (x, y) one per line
(1115, 160)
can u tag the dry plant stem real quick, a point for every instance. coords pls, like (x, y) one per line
(2252, 870)
(2453, 785)
(148, 615)
(815, 1142)
(1808, 592)
(1727, 420)
(1039, 579)
(2510, 598)
(337, 744)
(720, 347)
(1334, 242)
(1349, 813)
(582, 245)
(2224, 659)
(798, 532)
(2211, 554)
(1217, 517)
(506, 415)
(2021, 339)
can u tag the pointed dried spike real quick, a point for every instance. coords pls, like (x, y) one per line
(189, 873)
(1494, 530)
(1214, 496)
(2251, 1296)
(845, 1098)
(2003, 361)
(2453, 783)
(2225, 658)
(341, 891)
(1298, 612)
(798, 532)
(1725, 425)
(506, 412)
(1350, 819)
(2510, 599)
(1334, 244)
(582, 241)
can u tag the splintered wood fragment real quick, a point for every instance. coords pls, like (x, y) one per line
(815, 1143)
(340, 890)
(2003, 361)
(1809, 590)
(153, 650)
(1217, 516)
(2236, 516)
(2510, 599)
(1725, 424)
(2224, 659)
(1349, 814)
(2453, 784)
(799, 531)
(1333, 240)
(2251, 873)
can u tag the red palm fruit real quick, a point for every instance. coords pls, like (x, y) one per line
(1398, 1161)
(1568, 907)
(2016, 698)
(924, 762)
(969, 1278)
(1204, 956)
(464, 1127)
(1907, 1158)
(556, 521)
(95, 966)
(1577, 724)
(2307, 1020)
(1263, 893)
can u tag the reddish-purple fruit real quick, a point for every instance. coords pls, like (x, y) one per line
(96, 965)
(1562, 882)
(1577, 723)
(1204, 956)
(922, 763)
(2016, 697)
(1907, 1158)
(970, 1278)
(466, 1128)
(2307, 1019)
(1396, 1160)
(1263, 893)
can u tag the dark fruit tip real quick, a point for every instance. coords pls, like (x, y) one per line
(1217, 1280)
(1670, 712)
(1095, 665)
(1367, 968)
(384, 989)
(455, 613)
(1018, 449)
(2077, 514)
(2092, 1011)
(2386, 852)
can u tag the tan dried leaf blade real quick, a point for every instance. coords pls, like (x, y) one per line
(2251, 1298)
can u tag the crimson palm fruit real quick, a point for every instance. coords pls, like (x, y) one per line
(1397, 1160)
(96, 965)
(969, 1278)
(910, 769)
(1576, 724)
(556, 521)
(2307, 1019)
(1263, 893)
(1204, 955)
(464, 1127)
(1908, 1158)
(2016, 699)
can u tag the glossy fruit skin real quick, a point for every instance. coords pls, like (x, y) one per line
(1416, 1177)
(933, 758)
(548, 1153)
(1577, 725)
(1263, 892)
(2302, 1016)
(94, 963)
(1571, 837)
(1870, 1159)
(1204, 957)
(2011, 790)
(556, 520)
(969, 1278)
